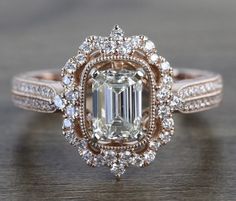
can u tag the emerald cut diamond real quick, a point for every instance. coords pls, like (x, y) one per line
(117, 104)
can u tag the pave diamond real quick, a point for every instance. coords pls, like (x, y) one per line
(117, 104)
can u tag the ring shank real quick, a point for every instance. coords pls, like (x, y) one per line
(199, 90)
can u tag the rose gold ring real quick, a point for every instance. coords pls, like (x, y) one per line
(117, 96)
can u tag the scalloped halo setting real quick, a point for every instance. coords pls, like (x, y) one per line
(117, 101)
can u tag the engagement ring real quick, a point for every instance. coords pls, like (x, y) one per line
(117, 96)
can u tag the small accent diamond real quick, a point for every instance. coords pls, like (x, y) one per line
(80, 58)
(118, 169)
(176, 103)
(163, 94)
(163, 111)
(117, 33)
(165, 137)
(72, 111)
(72, 95)
(70, 67)
(135, 41)
(168, 123)
(124, 157)
(165, 67)
(149, 46)
(67, 123)
(59, 103)
(154, 145)
(85, 47)
(153, 58)
(125, 48)
(110, 157)
(109, 47)
(82, 145)
(67, 79)
(87, 155)
(70, 137)
(149, 156)
(137, 160)
(167, 80)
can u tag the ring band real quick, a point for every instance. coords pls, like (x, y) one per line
(118, 96)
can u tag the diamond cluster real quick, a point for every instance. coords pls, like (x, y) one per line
(121, 86)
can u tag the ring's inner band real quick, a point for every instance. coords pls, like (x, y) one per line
(200, 90)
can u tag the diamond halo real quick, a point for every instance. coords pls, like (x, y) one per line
(157, 125)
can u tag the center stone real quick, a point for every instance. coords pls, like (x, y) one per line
(117, 104)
